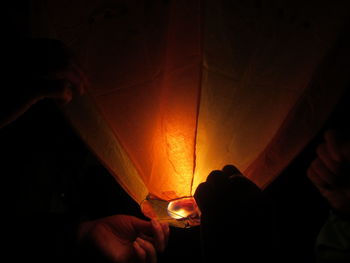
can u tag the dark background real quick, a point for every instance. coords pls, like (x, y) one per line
(51, 180)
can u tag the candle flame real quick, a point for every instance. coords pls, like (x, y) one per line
(184, 208)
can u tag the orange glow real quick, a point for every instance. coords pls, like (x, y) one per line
(184, 208)
(179, 152)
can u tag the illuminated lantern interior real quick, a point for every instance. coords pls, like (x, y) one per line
(184, 208)
(180, 88)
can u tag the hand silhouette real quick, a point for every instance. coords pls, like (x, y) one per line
(123, 238)
(330, 171)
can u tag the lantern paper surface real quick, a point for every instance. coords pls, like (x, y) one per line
(180, 88)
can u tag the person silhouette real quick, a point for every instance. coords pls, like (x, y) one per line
(39, 69)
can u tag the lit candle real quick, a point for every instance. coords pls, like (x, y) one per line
(184, 208)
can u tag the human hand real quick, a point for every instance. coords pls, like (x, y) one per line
(225, 191)
(123, 238)
(236, 220)
(330, 171)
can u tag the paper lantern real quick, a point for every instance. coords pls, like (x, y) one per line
(180, 88)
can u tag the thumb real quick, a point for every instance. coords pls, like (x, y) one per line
(142, 226)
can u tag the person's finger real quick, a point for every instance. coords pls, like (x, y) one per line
(146, 237)
(322, 186)
(103, 238)
(141, 226)
(203, 196)
(217, 178)
(324, 173)
(243, 190)
(166, 230)
(140, 252)
(316, 179)
(230, 170)
(159, 235)
(149, 253)
(333, 145)
(325, 157)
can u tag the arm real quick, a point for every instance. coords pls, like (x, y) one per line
(330, 173)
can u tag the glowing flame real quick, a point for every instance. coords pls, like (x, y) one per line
(184, 208)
